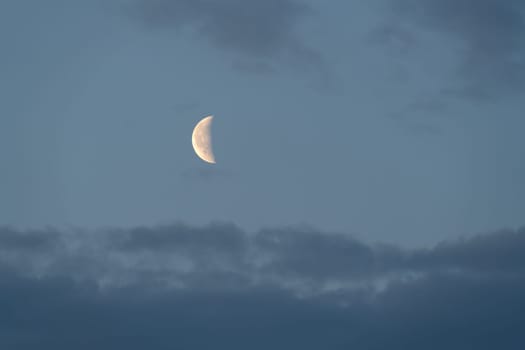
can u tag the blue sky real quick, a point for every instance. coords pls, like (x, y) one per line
(348, 118)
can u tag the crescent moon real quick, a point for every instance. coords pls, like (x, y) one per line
(201, 140)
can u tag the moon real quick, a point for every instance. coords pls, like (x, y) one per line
(201, 140)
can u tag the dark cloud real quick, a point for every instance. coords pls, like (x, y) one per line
(486, 253)
(254, 28)
(179, 286)
(32, 241)
(179, 251)
(490, 38)
(258, 29)
(303, 253)
(261, 35)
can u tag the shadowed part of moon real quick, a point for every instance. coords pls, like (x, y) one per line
(201, 140)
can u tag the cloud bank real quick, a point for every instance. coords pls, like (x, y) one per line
(179, 286)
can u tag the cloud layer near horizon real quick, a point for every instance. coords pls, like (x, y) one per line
(183, 286)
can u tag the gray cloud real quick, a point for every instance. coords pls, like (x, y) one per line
(489, 34)
(32, 241)
(254, 29)
(485, 253)
(305, 260)
(217, 286)
(261, 35)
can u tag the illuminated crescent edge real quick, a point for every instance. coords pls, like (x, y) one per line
(203, 150)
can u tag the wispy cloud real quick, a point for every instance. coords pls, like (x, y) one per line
(487, 34)
(262, 36)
